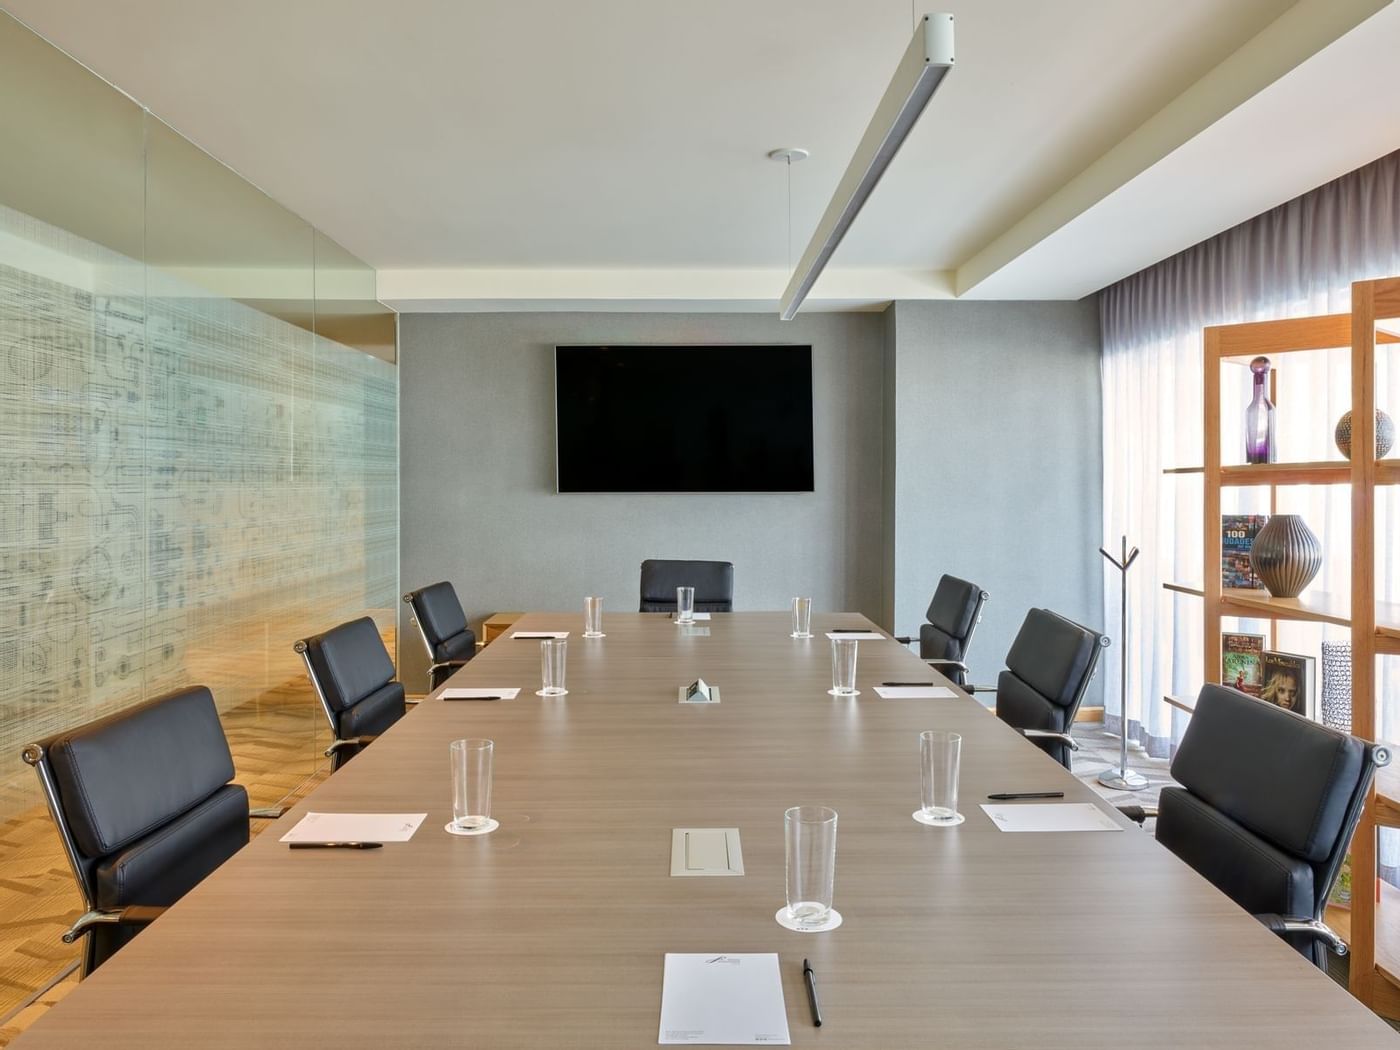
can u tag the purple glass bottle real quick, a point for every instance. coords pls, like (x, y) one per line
(1259, 418)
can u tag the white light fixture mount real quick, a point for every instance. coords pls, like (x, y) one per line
(925, 64)
(789, 154)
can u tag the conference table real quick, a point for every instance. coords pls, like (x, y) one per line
(551, 931)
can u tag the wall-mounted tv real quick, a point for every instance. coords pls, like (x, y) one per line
(683, 418)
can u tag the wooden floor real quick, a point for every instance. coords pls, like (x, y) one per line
(277, 740)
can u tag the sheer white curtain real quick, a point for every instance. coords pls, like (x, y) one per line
(1298, 259)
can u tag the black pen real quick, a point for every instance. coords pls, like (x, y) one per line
(470, 698)
(910, 685)
(851, 630)
(811, 979)
(1007, 796)
(335, 845)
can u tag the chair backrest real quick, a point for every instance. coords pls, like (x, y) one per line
(1048, 671)
(1267, 804)
(143, 804)
(439, 616)
(713, 582)
(354, 679)
(952, 616)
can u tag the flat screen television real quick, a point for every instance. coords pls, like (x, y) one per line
(683, 418)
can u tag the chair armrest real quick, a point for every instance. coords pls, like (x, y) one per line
(1046, 734)
(133, 915)
(267, 812)
(904, 639)
(1311, 928)
(359, 741)
(1139, 814)
(974, 689)
(957, 665)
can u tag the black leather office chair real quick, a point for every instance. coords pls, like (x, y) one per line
(1048, 670)
(953, 615)
(354, 680)
(144, 807)
(1266, 809)
(443, 627)
(713, 582)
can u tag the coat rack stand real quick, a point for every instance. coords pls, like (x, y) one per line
(1123, 778)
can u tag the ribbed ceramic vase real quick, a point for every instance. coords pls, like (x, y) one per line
(1286, 555)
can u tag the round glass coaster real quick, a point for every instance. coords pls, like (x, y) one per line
(600, 634)
(796, 635)
(485, 829)
(833, 692)
(546, 692)
(934, 822)
(786, 921)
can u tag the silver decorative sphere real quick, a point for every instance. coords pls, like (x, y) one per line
(1385, 434)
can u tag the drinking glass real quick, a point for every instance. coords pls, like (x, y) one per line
(685, 605)
(940, 754)
(810, 832)
(593, 617)
(802, 617)
(843, 667)
(552, 653)
(471, 783)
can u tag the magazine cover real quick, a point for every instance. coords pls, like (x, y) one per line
(1237, 532)
(1242, 660)
(1289, 681)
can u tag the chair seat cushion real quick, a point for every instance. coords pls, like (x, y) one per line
(1254, 874)
(162, 867)
(375, 713)
(459, 647)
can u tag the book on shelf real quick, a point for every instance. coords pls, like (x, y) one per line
(1289, 682)
(1237, 532)
(1242, 661)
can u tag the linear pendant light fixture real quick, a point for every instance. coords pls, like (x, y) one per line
(925, 63)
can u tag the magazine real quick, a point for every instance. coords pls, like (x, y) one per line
(1289, 681)
(1237, 532)
(1242, 662)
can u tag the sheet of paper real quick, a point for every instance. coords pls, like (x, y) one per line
(474, 694)
(1058, 816)
(734, 1000)
(540, 634)
(355, 827)
(860, 636)
(914, 692)
(700, 617)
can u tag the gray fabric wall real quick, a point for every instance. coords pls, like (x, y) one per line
(995, 430)
(479, 506)
(950, 437)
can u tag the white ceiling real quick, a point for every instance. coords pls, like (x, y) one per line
(509, 152)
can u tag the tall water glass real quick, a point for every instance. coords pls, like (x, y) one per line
(471, 783)
(810, 832)
(552, 653)
(802, 617)
(843, 667)
(593, 617)
(685, 605)
(940, 755)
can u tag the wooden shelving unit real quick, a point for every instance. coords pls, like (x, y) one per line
(1371, 927)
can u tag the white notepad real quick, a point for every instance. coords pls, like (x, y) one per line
(1058, 816)
(355, 827)
(914, 692)
(540, 634)
(476, 694)
(734, 1000)
(860, 636)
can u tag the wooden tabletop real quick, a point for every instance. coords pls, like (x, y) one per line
(551, 931)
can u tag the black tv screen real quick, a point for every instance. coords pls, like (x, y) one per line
(683, 418)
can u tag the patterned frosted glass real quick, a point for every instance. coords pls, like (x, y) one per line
(189, 485)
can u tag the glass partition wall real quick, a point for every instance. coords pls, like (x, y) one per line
(198, 411)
